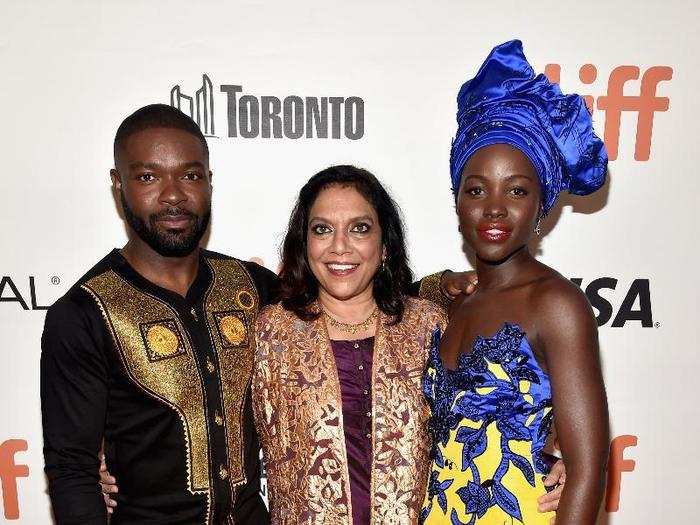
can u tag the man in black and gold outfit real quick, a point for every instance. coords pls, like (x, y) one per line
(151, 351)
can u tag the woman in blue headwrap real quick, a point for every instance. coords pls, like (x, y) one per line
(524, 346)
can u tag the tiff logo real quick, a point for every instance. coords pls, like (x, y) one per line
(614, 102)
(200, 107)
(9, 472)
(617, 464)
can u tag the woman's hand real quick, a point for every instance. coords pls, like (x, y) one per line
(108, 484)
(556, 479)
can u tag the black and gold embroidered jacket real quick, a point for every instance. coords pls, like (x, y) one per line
(165, 380)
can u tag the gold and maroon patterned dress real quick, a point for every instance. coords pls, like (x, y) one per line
(297, 404)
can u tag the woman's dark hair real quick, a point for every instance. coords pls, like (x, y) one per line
(299, 287)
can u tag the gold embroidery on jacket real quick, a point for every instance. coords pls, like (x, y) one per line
(298, 413)
(401, 443)
(162, 339)
(231, 304)
(296, 401)
(158, 357)
(232, 329)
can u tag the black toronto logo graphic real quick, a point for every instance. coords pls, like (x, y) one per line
(266, 116)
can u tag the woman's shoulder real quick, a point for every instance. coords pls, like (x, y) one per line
(270, 312)
(275, 317)
(418, 310)
(556, 296)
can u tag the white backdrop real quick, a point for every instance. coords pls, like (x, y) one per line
(71, 71)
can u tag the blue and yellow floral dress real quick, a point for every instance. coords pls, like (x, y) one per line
(489, 421)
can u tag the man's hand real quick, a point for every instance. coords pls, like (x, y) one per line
(556, 478)
(108, 485)
(454, 283)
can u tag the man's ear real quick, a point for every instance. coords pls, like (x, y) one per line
(211, 176)
(116, 179)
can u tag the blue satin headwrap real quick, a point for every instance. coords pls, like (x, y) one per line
(506, 103)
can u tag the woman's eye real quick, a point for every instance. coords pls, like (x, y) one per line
(475, 191)
(320, 229)
(360, 228)
(518, 191)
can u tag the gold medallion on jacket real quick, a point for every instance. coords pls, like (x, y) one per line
(232, 327)
(162, 339)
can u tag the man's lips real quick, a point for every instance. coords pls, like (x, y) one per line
(341, 269)
(175, 221)
(494, 232)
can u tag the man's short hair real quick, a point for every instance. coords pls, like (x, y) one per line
(157, 116)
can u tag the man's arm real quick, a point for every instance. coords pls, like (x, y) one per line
(249, 508)
(266, 282)
(73, 407)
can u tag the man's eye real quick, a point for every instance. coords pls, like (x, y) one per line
(193, 175)
(146, 177)
(320, 229)
(360, 228)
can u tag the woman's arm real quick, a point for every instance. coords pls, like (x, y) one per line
(568, 337)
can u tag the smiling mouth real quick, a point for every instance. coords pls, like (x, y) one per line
(341, 269)
(494, 234)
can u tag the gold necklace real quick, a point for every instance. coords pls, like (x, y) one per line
(352, 328)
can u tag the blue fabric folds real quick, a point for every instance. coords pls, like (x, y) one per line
(506, 103)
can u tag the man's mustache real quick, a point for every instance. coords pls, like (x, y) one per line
(172, 212)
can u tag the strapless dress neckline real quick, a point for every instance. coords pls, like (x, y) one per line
(490, 418)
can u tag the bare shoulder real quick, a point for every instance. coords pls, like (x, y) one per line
(559, 300)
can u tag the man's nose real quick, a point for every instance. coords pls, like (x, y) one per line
(172, 192)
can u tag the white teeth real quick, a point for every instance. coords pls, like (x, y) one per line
(341, 267)
(494, 232)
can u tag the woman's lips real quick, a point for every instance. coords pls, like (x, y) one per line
(341, 269)
(494, 233)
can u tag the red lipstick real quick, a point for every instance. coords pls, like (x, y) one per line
(494, 232)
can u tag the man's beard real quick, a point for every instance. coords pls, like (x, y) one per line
(168, 243)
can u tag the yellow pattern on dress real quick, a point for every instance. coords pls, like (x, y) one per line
(490, 419)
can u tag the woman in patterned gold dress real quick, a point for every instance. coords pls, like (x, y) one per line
(337, 382)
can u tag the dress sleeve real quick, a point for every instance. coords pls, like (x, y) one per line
(260, 384)
(73, 405)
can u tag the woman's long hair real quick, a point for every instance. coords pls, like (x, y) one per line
(299, 287)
